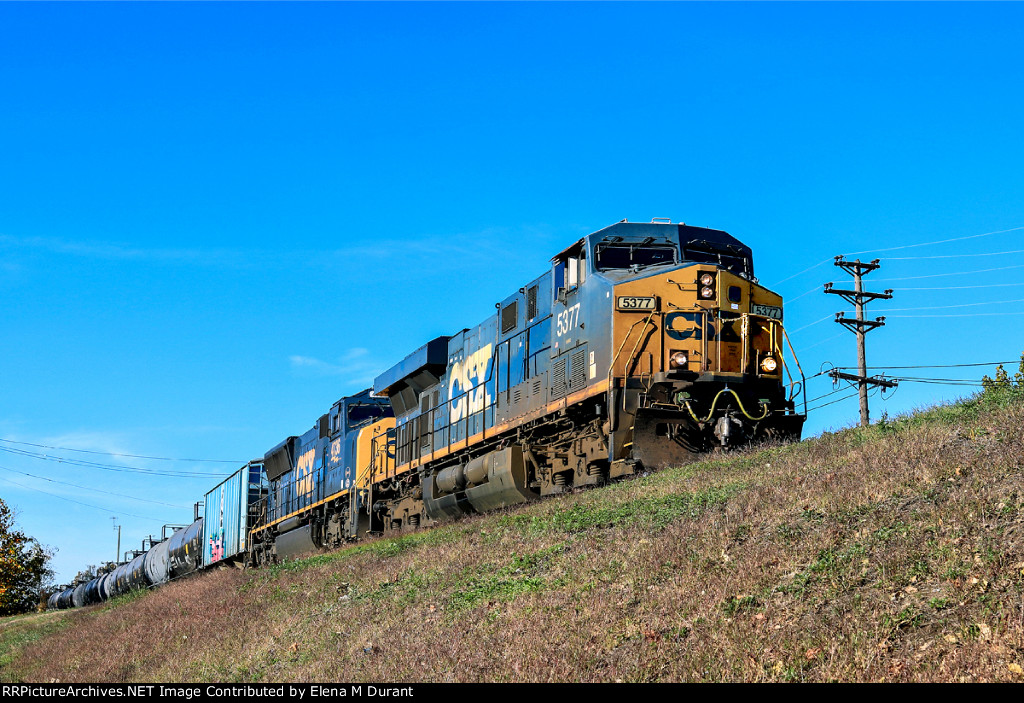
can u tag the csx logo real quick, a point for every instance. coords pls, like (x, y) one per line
(466, 384)
(688, 325)
(304, 472)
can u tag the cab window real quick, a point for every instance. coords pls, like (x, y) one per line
(625, 256)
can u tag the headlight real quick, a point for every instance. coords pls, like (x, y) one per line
(677, 360)
(769, 364)
(706, 285)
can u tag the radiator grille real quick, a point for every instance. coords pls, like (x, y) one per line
(509, 316)
(558, 378)
(579, 369)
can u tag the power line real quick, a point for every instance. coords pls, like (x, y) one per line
(790, 301)
(823, 261)
(932, 378)
(87, 488)
(954, 273)
(826, 395)
(940, 241)
(959, 305)
(908, 246)
(985, 285)
(132, 456)
(108, 467)
(940, 382)
(872, 393)
(816, 289)
(953, 256)
(833, 402)
(818, 344)
(827, 317)
(938, 366)
(78, 502)
(970, 314)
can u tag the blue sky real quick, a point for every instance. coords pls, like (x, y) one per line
(217, 219)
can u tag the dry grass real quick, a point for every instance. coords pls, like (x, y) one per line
(894, 553)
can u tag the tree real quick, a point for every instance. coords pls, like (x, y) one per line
(1002, 381)
(23, 567)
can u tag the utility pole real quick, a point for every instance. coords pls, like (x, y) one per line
(858, 297)
(118, 528)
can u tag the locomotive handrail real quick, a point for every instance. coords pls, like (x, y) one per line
(611, 366)
(803, 379)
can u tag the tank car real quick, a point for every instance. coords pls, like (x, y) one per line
(643, 345)
(157, 564)
(221, 537)
(185, 550)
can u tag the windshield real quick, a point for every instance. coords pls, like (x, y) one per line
(709, 255)
(624, 256)
(363, 413)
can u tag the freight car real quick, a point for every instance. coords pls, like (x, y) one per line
(642, 345)
(220, 536)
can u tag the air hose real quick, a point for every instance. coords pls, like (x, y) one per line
(715, 402)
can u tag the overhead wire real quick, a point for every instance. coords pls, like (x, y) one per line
(108, 467)
(937, 366)
(898, 248)
(952, 273)
(940, 241)
(88, 488)
(131, 456)
(982, 285)
(78, 502)
(826, 395)
(833, 402)
(970, 314)
(958, 305)
(823, 261)
(942, 381)
(954, 256)
(828, 339)
(811, 324)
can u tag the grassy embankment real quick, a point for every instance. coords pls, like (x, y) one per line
(889, 553)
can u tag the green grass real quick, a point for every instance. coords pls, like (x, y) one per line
(20, 630)
(888, 553)
(126, 598)
(654, 512)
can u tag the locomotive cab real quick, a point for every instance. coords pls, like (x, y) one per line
(696, 357)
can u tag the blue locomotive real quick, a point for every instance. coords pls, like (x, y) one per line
(643, 344)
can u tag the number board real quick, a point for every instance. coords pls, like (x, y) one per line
(771, 311)
(635, 303)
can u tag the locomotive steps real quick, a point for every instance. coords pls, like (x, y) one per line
(894, 552)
